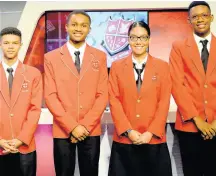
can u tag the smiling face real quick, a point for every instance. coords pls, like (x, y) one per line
(10, 45)
(78, 27)
(139, 41)
(200, 18)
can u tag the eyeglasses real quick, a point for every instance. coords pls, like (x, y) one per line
(204, 16)
(135, 38)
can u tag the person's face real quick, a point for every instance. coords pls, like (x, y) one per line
(10, 45)
(139, 40)
(78, 27)
(200, 18)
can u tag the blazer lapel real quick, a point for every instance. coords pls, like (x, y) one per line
(68, 61)
(212, 57)
(129, 76)
(193, 53)
(87, 58)
(17, 83)
(149, 73)
(4, 88)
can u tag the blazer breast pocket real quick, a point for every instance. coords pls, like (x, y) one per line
(155, 84)
(25, 87)
(95, 65)
(155, 80)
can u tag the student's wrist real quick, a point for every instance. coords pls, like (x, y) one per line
(127, 132)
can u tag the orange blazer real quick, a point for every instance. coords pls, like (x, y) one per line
(146, 111)
(74, 98)
(193, 90)
(20, 113)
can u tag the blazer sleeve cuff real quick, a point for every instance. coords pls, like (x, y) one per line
(156, 132)
(25, 139)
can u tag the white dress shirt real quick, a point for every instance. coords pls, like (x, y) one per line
(199, 44)
(139, 66)
(14, 67)
(72, 49)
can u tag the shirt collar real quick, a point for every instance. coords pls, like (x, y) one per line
(143, 61)
(14, 66)
(73, 49)
(198, 38)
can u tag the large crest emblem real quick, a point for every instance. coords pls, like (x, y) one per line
(116, 37)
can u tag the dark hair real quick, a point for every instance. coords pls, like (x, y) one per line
(141, 24)
(197, 3)
(11, 30)
(78, 12)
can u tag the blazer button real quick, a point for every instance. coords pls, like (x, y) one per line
(81, 107)
(206, 86)
(137, 115)
(138, 101)
(205, 102)
(11, 115)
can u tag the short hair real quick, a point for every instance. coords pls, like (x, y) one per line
(141, 24)
(197, 3)
(78, 12)
(11, 30)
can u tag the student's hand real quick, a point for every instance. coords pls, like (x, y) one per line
(80, 133)
(144, 138)
(7, 147)
(134, 135)
(73, 140)
(213, 124)
(16, 143)
(206, 129)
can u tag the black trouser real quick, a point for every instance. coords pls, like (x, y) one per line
(88, 156)
(18, 164)
(140, 160)
(198, 155)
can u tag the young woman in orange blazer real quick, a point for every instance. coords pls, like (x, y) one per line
(139, 95)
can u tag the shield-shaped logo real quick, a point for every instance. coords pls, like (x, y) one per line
(25, 86)
(116, 37)
(95, 65)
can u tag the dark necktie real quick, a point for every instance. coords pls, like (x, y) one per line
(77, 60)
(10, 79)
(204, 54)
(139, 79)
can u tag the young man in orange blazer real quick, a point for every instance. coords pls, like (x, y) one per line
(76, 93)
(20, 107)
(139, 94)
(192, 66)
